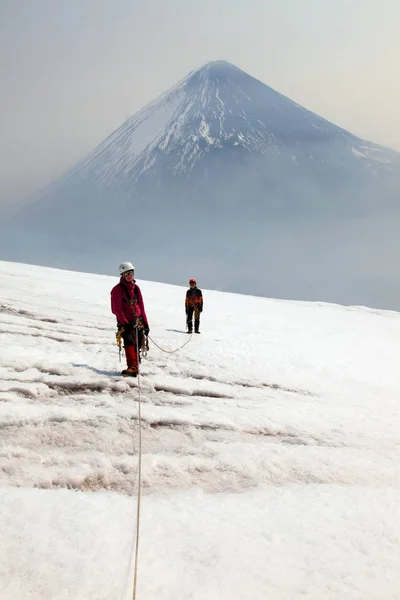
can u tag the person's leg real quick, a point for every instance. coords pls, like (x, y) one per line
(130, 354)
(196, 320)
(190, 319)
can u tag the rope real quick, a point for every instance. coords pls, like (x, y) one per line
(139, 471)
(135, 568)
(172, 351)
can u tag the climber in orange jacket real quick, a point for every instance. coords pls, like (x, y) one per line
(193, 305)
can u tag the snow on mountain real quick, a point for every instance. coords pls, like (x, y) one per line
(212, 109)
(270, 464)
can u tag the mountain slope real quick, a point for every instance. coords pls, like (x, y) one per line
(216, 120)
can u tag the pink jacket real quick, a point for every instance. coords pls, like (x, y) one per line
(120, 305)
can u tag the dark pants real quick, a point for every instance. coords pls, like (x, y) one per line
(130, 338)
(190, 311)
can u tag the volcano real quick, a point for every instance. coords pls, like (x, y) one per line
(210, 169)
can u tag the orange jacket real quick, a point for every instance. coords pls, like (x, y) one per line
(194, 298)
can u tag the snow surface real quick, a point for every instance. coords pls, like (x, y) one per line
(270, 441)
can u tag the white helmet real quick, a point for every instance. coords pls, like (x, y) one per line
(125, 266)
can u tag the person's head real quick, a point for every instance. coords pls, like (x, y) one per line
(192, 282)
(127, 271)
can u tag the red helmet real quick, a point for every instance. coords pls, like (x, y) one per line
(192, 280)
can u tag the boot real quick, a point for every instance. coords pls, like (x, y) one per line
(196, 325)
(131, 361)
(129, 372)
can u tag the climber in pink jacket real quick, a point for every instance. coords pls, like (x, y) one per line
(128, 307)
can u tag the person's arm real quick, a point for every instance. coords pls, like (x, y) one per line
(187, 302)
(116, 304)
(141, 306)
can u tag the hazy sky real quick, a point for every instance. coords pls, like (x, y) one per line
(72, 71)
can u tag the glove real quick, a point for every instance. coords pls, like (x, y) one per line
(146, 329)
(120, 326)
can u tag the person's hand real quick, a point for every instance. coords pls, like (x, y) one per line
(146, 329)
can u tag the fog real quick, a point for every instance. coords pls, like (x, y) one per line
(352, 260)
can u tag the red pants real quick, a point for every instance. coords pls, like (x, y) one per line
(131, 357)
